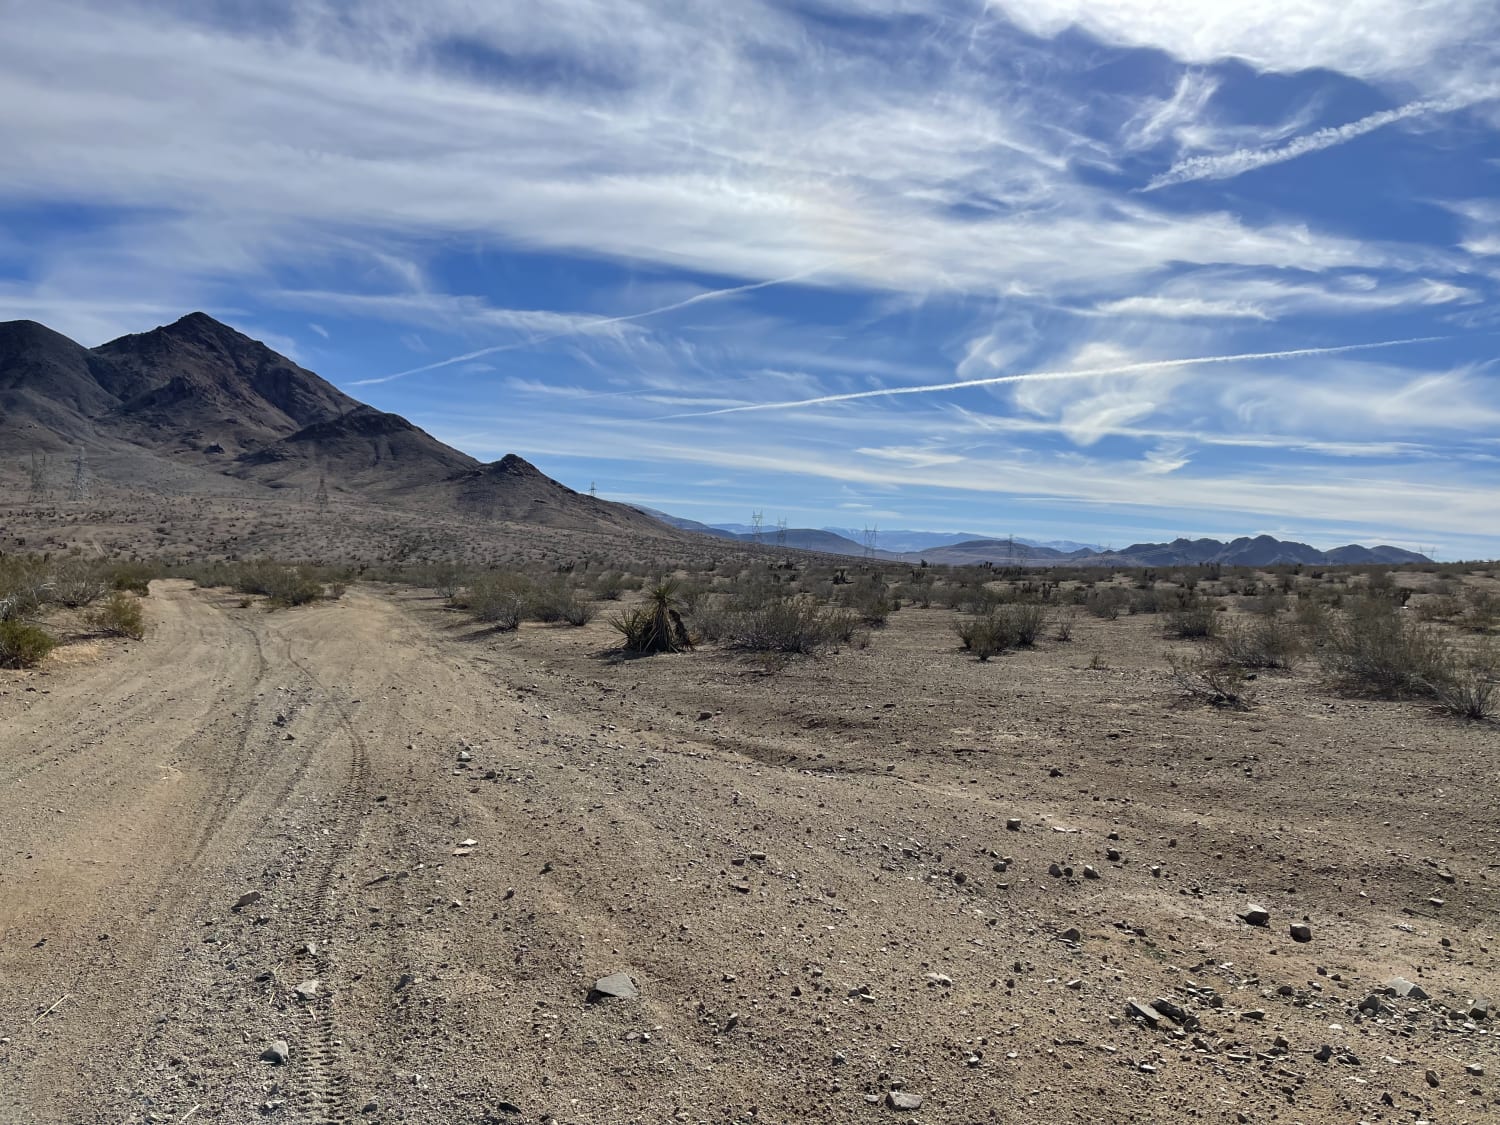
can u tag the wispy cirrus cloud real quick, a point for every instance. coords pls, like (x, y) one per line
(1224, 166)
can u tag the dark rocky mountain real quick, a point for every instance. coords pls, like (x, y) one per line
(195, 407)
(1261, 550)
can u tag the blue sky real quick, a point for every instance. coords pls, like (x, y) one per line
(593, 231)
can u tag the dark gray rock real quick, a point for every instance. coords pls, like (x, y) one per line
(1301, 931)
(1400, 986)
(1254, 915)
(1140, 1010)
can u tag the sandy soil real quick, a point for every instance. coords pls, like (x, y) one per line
(807, 871)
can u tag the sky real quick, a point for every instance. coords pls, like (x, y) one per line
(1108, 270)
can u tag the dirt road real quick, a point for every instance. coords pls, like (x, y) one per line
(820, 922)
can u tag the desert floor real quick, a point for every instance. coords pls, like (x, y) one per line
(806, 869)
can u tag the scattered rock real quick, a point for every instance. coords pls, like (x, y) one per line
(1400, 986)
(1475, 1069)
(249, 898)
(371, 1106)
(1432, 1079)
(704, 716)
(1055, 871)
(1139, 1009)
(1013, 824)
(1301, 931)
(1323, 1053)
(616, 986)
(1254, 915)
(508, 1108)
(1090, 872)
(939, 980)
(1479, 1008)
(1071, 934)
(307, 990)
(903, 1101)
(465, 757)
(277, 1053)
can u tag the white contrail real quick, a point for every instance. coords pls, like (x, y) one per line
(606, 321)
(1230, 164)
(1084, 373)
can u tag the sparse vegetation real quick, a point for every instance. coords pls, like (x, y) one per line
(656, 626)
(118, 615)
(23, 645)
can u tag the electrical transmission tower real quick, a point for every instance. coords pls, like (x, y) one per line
(38, 474)
(756, 519)
(871, 534)
(593, 490)
(80, 487)
(320, 498)
(781, 533)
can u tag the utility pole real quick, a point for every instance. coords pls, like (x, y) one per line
(756, 519)
(80, 488)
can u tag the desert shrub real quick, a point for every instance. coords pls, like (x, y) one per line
(23, 587)
(578, 611)
(1026, 622)
(1107, 603)
(790, 625)
(552, 601)
(118, 615)
(870, 599)
(656, 626)
(1266, 604)
(610, 586)
(1483, 612)
(1065, 621)
(132, 577)
(1374, 649)
(77, 582)
(985, 635)
(1468, 686)
(23, 645)
(1205, 677)
(1196, 620)
(1261, 643)
(496, 598)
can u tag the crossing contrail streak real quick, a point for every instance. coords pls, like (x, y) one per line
(1045, 376)
(604, 322)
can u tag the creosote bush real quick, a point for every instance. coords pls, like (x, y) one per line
(23, 645)
(1261, 642)
(119, 615)
(1206, 678)
(1375, 649)
(1196, 620)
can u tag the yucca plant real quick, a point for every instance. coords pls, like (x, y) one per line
(656, 626)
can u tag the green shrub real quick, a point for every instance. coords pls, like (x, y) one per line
(119, 615)
(23, 645)
(132, 577)
(985, 635)
(1025, 622)
(497, 599)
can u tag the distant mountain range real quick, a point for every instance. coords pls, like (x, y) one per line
(957, 550)
(196, 408)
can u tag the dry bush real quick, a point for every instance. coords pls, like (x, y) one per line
(1206, 678)
(77, 582)
(496, 598)
(1026, 622)
(1261, 643)
(119, 615)
(985, 635)
(1373, 649)
(1196, 620)
(791, 625)
(1468, 685)
(23, 645)
(23, 587)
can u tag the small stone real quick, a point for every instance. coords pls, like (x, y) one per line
(903, 1101)
(465, 756)
(1256, 1014)
(1301, 931)
(1139, 1009)
(1112, 854)
(249, 898)
(277, 1053)
(1013, 824)
(307, 990)
(1400, 986)
(371, 1106)
(508, 1108)
(1055, 871)
(1090, 872)
(939, 980)
(1254, 915)
(618, 986)
(1479, 1008)
(1071, 934)
(1323, 1053)
(1475, 1069)
(1432, 1079)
